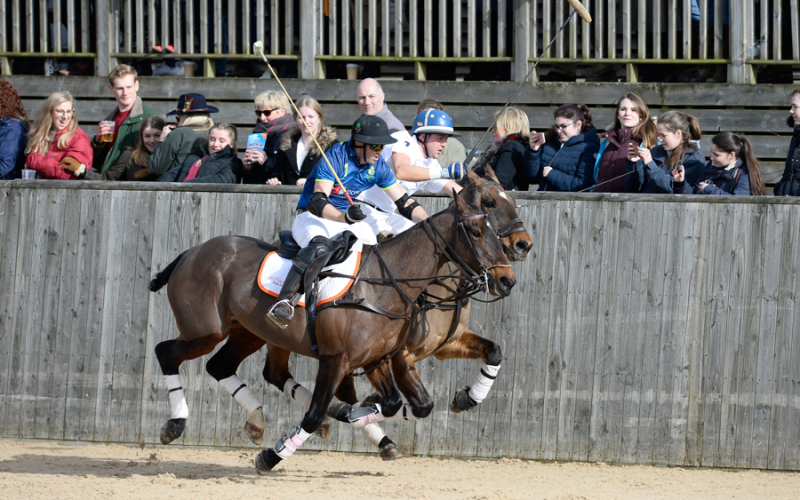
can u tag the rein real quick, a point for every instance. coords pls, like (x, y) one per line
(476, 282)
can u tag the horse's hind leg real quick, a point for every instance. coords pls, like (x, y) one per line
(223, 365)
(472, 346)
(170, 354)
(332, 370)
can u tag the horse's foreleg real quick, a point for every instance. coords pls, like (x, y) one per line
(332, 370)
(472, 346)
(170, 354)
(276, 372)
(223, 365)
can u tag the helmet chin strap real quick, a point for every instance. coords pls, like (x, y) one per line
(425, 145)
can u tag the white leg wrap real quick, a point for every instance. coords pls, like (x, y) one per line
(289, 444)
(404, 413)
(241, 393)
(480, 388)
(294, 390)
(374, 434)
(177, 402)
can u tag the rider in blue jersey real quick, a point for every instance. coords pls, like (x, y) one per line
(323, 210)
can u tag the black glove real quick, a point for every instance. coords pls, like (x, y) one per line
(354, 214)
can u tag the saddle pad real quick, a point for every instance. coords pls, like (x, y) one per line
(275, 268)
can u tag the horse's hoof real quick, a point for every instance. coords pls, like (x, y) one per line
(339, 411)
(266, 461)
(324, 430)
(461, 401)
(255, 425)
(172, 430)
(390, 452)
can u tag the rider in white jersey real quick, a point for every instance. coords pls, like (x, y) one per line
(414, 161)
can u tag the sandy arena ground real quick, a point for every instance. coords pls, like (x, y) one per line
(32, 470)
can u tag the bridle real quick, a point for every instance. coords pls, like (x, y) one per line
(472, 281)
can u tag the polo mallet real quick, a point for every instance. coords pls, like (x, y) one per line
(578, 8)
(258, 48)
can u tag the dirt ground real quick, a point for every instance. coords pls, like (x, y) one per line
(41, 469)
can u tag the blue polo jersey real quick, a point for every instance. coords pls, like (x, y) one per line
(355, 177)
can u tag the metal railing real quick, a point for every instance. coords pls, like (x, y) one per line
(741, 34)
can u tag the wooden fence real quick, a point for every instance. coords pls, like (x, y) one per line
(756, 112)
(643, 329)
(736, 33)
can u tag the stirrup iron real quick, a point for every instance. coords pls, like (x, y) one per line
(280, 320)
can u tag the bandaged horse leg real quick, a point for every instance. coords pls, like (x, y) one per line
(331, 371)
(223, 365)
(171, 354)
(472, 346)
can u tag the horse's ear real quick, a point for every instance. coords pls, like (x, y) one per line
(461, 204)
(474, 178)
(489, 172)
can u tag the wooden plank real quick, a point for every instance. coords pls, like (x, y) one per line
(66, 296)
(34, 290)
(155, 400)
(10, 205)
(634, 349)
(782, 390)
(603, 364)
(753, 252)
(592, 94)
(792, 446)
(715, 345)
(653, 309)
(767, 334)
(587, 329)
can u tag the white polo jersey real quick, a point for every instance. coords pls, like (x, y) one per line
(408, 146)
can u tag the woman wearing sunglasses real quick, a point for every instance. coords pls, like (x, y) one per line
(272, 115)
(324, 211)
(55, 140)
(563, 158)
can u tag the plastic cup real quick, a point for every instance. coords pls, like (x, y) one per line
(109, 136)
(188, 68)
(352, 71)
(28, 173)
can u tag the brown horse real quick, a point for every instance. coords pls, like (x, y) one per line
(442, 323)
(213, 294)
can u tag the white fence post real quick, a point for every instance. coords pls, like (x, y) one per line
(522, 40)
(309, 38)
(103, 62)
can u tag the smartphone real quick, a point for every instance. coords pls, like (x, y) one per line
(680, 168)
(540, 138)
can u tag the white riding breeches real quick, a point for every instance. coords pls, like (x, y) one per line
(382, 221)
(306, 226)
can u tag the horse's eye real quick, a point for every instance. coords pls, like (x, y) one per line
(489, 203)
(476, 232)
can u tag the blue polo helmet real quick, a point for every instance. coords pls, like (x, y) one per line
(433, 121)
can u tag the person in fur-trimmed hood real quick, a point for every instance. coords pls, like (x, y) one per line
(298, 152)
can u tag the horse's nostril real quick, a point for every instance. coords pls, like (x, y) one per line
(506, 283)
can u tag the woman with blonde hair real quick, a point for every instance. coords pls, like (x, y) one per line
(511, 126)
(272, 112)
(298, 152)
(56, 144)
(176, 143)
(633, 126)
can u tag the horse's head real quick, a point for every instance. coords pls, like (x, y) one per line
(482, 251)
(502, 212)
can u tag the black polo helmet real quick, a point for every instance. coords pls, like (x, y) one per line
(371, 130)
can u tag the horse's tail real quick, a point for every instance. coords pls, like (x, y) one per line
(162, 278)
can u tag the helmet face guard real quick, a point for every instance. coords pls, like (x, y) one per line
(433, 121)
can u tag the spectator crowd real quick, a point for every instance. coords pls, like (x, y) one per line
(637, 154)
